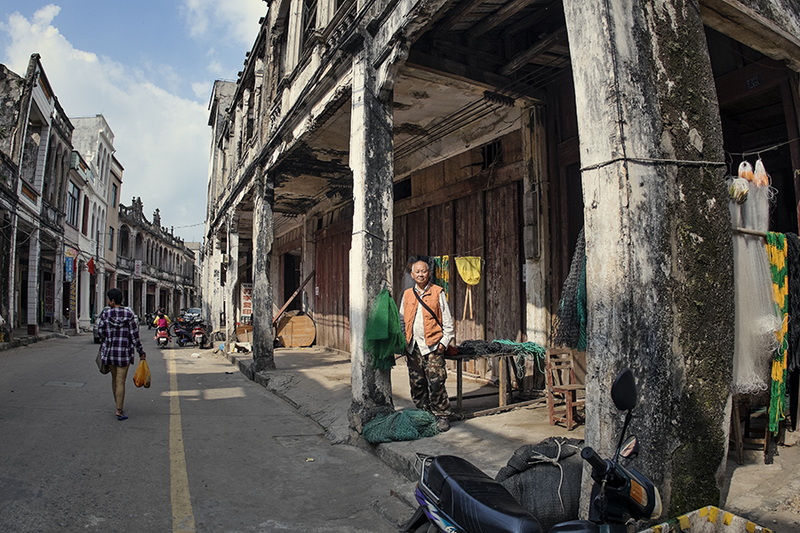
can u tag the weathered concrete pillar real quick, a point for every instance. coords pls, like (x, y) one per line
(58, 287)
(131, 300)
(232, 277)
(34, 253)
(263, 236)
(371, 159)
(84, 318)
(658, 239)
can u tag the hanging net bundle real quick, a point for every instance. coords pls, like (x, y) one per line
(777, 253)
(407, 424)
(571, 318)
(756, 320)
(441, 273)
(383, 337)
(524, 351)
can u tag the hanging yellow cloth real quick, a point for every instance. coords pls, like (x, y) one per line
(469, 268)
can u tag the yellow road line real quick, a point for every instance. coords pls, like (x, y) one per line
(182, 513)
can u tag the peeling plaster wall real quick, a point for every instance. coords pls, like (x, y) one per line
(12, 88)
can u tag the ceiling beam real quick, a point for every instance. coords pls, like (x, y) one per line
(544, 44)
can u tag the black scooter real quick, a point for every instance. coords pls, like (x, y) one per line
(454, 496)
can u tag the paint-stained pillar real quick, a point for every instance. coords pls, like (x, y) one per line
(263, 236)
(371, 160)
(658, 238)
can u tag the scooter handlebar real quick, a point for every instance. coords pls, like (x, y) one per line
(598, 463)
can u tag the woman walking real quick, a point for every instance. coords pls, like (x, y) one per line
(119, 332)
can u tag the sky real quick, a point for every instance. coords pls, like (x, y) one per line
(148, 67)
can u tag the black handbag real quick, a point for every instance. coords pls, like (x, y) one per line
(104, 369)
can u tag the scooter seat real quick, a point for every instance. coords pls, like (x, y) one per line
(474, 500)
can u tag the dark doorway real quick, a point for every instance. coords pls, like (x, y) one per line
(291, 279)
(759, 120)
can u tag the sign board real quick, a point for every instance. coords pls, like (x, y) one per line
(247, 299)
(69, 269)
(137, 269)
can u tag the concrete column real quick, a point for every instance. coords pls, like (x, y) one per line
(658, 238)
(11, 316)
(100, 296)
(58, 287)
(144, 297)
(232, 280)
(34, 252)
(371, 159)
(139, 310)
(263, 237)
(84, 318)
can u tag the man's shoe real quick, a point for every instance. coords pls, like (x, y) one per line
(442, 424)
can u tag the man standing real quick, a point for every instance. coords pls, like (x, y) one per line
(428, 326)
(119, 332)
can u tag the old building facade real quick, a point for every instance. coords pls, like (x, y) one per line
(62, 224)
(36, 143)
(361, 133)
(155, 269)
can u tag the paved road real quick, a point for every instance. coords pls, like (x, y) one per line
(204, 449)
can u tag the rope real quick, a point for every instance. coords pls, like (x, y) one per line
(538, 458)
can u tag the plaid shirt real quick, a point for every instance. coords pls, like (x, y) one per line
(120, 333)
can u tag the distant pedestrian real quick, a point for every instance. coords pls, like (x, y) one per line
(119, 332)
(162, 320)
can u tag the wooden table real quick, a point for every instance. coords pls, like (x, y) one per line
(505, 399)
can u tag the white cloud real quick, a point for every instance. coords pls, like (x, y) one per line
(237, 19)
(161, 139)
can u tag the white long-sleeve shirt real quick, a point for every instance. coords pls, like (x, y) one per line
(418, 331)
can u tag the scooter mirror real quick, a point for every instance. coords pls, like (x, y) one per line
(630, 448)
(623, 391)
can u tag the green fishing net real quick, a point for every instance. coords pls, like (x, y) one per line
(383, 337)
(408, 424)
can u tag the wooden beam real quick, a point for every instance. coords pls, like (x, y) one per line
(543, 45)
(744, 24)
(484, 180)
(509, 10)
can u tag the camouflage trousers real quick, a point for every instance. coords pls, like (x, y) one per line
(427, 376)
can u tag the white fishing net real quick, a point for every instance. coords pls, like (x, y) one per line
(756, 318)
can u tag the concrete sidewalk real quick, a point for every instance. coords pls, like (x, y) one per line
(20, 337)
(317, 382)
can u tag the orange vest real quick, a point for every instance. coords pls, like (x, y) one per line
(433, 332)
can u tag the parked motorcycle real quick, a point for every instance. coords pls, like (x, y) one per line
(199, 335)
(189, 332)
(162, 337)
(456, 497)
